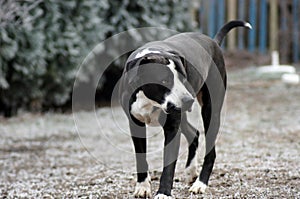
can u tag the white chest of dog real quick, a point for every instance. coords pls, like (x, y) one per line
(146, 110)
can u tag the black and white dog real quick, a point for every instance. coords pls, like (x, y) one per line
(160, 82)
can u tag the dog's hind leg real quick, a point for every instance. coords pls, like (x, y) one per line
(138, 135)
(212, 100)
(192, 136)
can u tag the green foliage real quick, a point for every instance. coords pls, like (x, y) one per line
(44, 41)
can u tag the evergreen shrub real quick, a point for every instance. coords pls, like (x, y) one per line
(42, 43)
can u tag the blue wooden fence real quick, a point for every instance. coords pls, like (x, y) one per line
(275, 25)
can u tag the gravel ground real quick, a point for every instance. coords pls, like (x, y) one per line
(48, 156)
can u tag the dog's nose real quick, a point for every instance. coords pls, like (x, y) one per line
(187, 103)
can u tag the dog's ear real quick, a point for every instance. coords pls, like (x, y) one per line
(131, 69)
(181, 57)
(130, 64)
(180, 62)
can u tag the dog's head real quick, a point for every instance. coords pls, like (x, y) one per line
(162, 77)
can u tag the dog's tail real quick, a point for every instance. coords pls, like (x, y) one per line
(227, 27)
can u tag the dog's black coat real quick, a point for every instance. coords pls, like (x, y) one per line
(199, 61)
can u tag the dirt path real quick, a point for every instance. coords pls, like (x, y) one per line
(44, 156)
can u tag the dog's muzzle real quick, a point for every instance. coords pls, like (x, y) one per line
(187, 103)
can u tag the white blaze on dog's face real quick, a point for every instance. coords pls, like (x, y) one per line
(145, 52)
(179, 97)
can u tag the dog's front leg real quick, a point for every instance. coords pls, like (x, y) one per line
(138, 135)
(171, 148)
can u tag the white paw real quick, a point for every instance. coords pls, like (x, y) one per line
(162, 196)
(191, 172)
(143, 189)
(198, 187)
